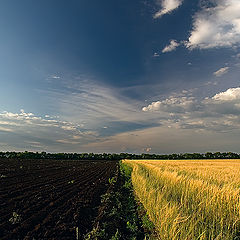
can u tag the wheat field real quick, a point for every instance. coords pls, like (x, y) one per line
(190, 199)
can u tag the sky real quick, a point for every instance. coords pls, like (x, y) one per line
(153, 76)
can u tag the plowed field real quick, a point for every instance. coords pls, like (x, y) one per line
(50, 199)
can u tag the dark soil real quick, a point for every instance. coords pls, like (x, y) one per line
(51, 199)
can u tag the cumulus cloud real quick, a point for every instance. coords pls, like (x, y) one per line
(26, 129)
(216, 26)
(174, 104)
(230, 95)
(30, 120)
(167, 7)
(221, 71)
(171, 47)
(218, 113)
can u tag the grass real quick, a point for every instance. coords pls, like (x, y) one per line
(190, 199)
(118, 217)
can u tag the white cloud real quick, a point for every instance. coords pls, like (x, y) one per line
(218, 113)
(167, 7)
(156, 54)
(171, 47)
(69, 128)
(221, 71)
(230, 95)
(216, 26)
(24, 129)
(55, 77)
(173, 104)
(154, 106)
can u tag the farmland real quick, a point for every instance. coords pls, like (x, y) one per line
(50, 199)
(190, 199)
(76, 199)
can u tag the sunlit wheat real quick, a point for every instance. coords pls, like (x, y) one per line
(190, 199)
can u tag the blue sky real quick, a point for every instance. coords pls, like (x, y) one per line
(156, 76)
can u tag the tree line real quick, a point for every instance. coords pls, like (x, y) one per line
(116, 156)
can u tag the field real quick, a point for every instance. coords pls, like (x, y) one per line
(50, 199)
(190, 199)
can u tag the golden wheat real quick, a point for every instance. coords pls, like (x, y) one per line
(190, 199)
